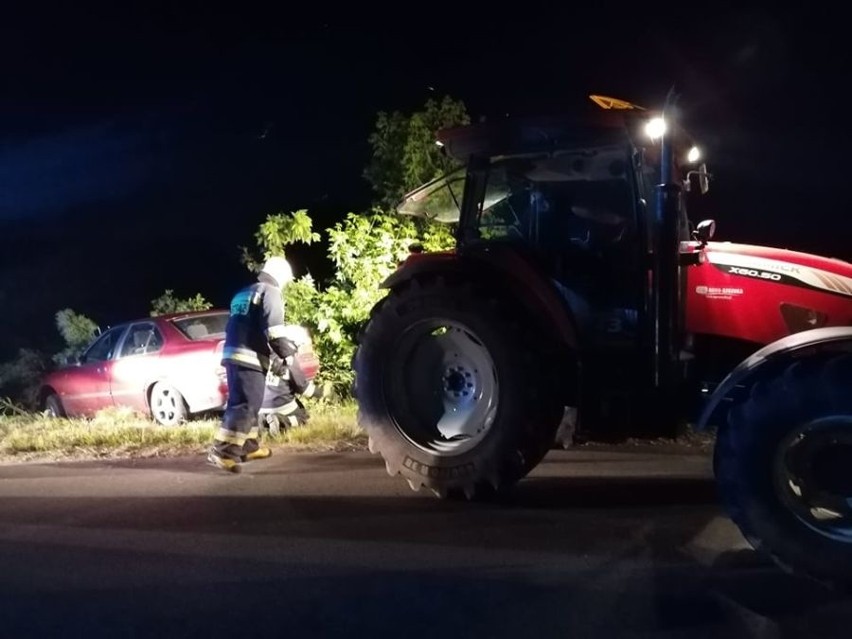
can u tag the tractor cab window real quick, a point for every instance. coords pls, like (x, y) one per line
(439, 200)
(510, 207)
(576, 212)
(558, 204)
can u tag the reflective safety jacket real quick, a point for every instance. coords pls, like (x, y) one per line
(281, 407)
(256, 326)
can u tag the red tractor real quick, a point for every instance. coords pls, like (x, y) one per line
(579, 282)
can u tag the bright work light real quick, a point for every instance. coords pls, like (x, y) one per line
(655, 128)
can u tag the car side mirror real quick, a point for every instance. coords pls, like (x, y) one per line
(69, 360)
(75, 360)
(705, 231)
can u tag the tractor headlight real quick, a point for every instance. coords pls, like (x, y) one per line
(693, 155)
(655, 128)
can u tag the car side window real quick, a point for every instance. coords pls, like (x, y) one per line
(104, 348)
(142, 339)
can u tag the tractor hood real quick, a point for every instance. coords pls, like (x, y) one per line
(783, 266)
(760, 294)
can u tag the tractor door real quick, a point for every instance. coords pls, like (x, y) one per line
(577, 215)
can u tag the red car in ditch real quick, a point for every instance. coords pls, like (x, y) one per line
(167, 367)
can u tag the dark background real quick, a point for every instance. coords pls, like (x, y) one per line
(141, 146)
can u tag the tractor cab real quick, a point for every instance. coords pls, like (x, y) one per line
(573, 190)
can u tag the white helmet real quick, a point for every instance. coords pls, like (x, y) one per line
(279, 269)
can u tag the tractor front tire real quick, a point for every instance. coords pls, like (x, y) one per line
(783, 465)
(454, 389)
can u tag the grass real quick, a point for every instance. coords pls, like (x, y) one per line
(333, 426)
(120, 433)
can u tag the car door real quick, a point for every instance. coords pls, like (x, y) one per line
(88, 385)
(136, 365)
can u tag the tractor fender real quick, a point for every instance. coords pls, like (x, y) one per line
(774, 355)
(512, 271)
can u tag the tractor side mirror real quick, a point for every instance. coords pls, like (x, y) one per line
(705, 231)
(703, 179)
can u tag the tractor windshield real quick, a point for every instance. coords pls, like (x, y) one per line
(439, 200)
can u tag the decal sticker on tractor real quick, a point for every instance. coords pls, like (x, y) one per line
(718, 293)
(750, 272)
(770, 270)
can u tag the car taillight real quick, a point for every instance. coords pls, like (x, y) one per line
(309, 363)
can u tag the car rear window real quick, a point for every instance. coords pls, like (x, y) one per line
(202, 326)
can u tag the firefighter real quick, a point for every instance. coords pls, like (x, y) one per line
(255, 327)
(282, 407)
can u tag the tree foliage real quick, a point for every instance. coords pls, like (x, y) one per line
(404, 154)
(77, 331)
(168, 303)
(20, 378)
(277, 232)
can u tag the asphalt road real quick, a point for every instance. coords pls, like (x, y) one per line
(593, 544)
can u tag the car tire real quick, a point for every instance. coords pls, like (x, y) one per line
(167, 405)
(53, 406)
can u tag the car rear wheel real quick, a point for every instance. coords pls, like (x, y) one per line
(168, 407)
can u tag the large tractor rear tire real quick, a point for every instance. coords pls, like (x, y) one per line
(784, 467)
(454, 389)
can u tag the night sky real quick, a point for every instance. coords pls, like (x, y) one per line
(140, 148)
